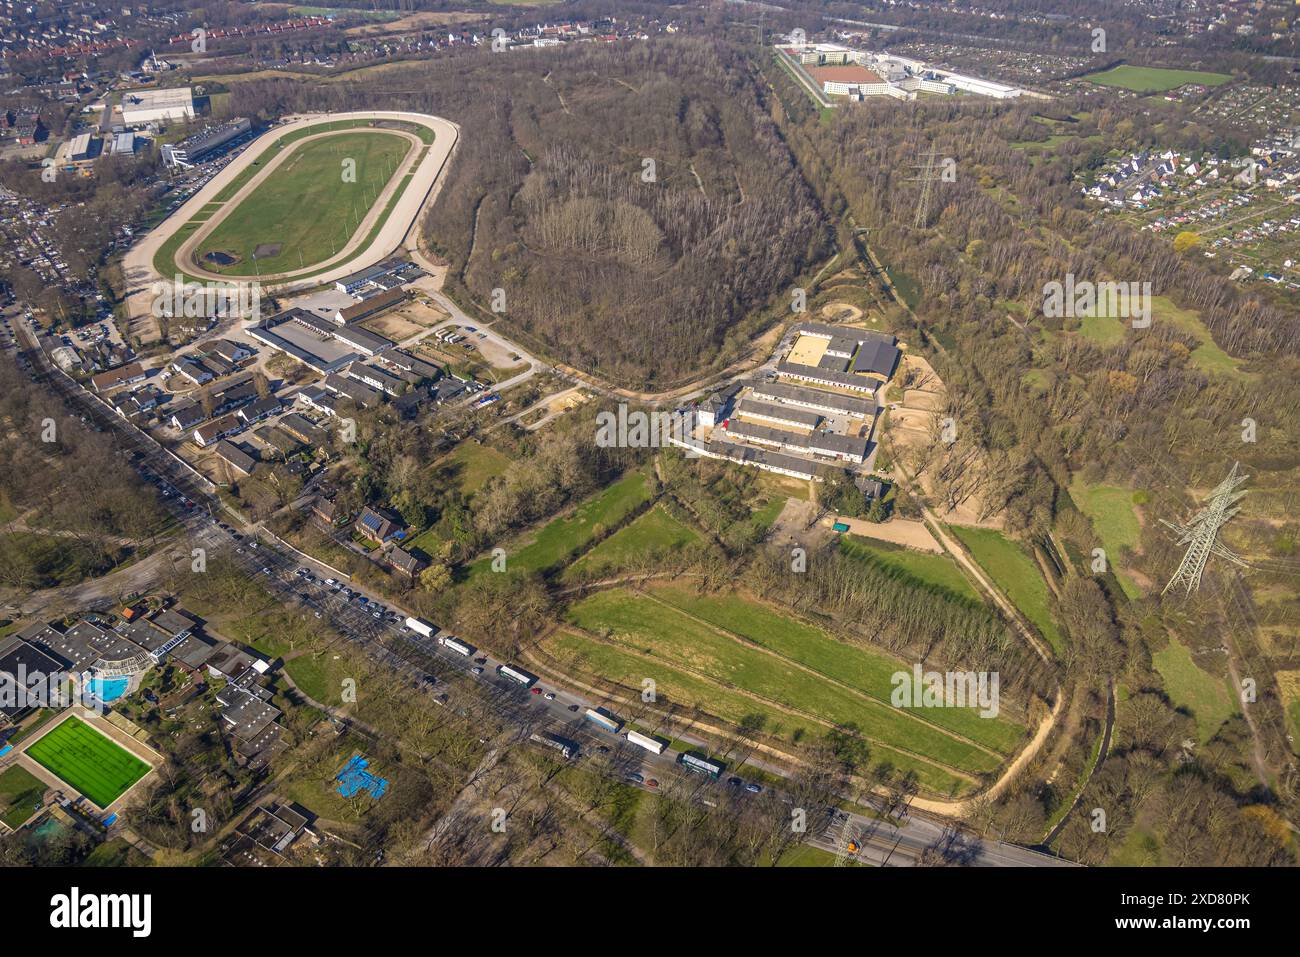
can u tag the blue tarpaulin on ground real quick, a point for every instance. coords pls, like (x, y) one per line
(355, 778)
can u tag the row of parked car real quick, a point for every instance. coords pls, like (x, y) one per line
(375, 609)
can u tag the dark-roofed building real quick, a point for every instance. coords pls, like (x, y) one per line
(278, 439)
(235, 457)
(877, 357)
(25, 677)
(763, 459)
(833, 363)
(149, 638)
(846, 447)
(360, 393)
(228, 661)
(246, 714)
(784, 393)
(301, 428)
(205, 435)
(447, 389)
(324, 511)
(86, 644)
(844, 380)
(717, 406)
(322, 400)
(412, 368)
(113, 378)
(187, 415)
(233, 352)
(370, 306)
(193, 653)
(378, 524)
(377, 378)
(234, 395)
(259, 409)
(780, 414)
(175, 624)
(403, 561)
(191, 369)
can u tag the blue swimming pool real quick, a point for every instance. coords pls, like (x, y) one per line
(108, 690)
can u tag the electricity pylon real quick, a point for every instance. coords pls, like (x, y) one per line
(928, 175)
(1200, 535)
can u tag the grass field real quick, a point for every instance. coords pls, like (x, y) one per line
(1110, 509)
(864, 669)
(1014, 571)
(89, 761)
(470, 466)
(654, 533)
(1150, 79)
(1190, 687)
(305, 205)
(1288, 683)
(922, 568)
(563, 536)
(320, 676)
(20, 792)
(728, 644)
(674, 686)
(1107, 331)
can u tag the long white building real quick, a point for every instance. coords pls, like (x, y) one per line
(142, 107)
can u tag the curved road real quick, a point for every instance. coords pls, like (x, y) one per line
(138, 270)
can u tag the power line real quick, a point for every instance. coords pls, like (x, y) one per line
(1201, 533)
(927, 177)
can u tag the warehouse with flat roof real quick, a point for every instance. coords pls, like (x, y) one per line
(141, 107)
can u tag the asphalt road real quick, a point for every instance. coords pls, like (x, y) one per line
(439, 674)
(137, 266)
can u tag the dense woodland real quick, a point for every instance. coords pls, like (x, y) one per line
(1049, 406)
(50, 535)
(548, 201)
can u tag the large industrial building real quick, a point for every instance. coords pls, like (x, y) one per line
(842, 71)
(142, 107)
(317, 342)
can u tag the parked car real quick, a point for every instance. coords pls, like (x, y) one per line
(537, 690)
(753, 788)
(549, 696)
(573, 707)
(477, 670)
(636, 778)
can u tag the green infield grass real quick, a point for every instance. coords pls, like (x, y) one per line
(1189, 686)
(305, 211)
(923, 568)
